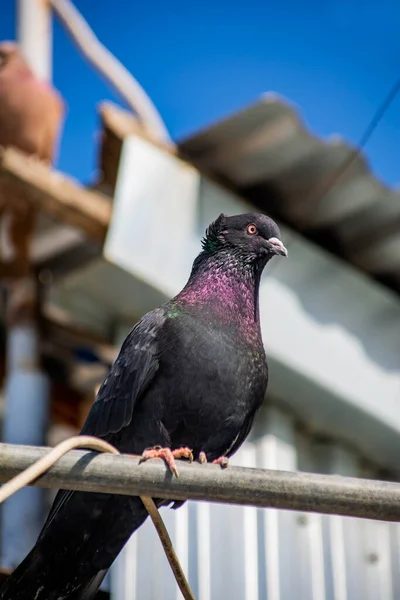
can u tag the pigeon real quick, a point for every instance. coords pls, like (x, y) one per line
(31, 116)
(187, 384)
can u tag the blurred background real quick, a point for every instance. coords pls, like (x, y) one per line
(289, 109)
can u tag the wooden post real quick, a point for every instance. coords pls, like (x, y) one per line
(34, 35)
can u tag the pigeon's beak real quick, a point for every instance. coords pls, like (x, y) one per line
(276, 247)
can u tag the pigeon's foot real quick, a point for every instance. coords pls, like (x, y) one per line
(168, 455)
(222, 460)
(202, 458)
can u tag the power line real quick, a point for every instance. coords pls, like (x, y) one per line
(379, 114)
(369, 130)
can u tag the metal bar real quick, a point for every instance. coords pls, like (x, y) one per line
(89, 471)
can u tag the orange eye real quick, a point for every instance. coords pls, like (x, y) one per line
(251, 229)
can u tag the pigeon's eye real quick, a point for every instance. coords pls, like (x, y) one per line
(251, 229)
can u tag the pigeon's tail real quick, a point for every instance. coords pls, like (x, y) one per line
(80, 540)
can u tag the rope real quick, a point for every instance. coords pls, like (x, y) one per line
(92, 443)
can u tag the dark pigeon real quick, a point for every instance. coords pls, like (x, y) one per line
(188, 381)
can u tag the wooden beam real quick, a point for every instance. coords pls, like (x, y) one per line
(56, 194)
(116, 125)
(122, 122)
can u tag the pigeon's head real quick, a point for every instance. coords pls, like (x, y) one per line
(253, 236)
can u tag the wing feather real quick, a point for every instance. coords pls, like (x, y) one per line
(129, 376)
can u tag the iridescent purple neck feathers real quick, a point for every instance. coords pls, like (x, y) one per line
(226, 286)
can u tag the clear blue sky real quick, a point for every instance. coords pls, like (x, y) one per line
(199, 61)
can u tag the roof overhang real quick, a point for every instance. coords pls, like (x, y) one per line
(322, 188)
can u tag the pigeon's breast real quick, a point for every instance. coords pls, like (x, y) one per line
(212, 380)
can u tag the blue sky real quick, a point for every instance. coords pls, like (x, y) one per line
(335, 59)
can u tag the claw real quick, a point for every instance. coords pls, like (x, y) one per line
(222, 461)
(202, 458)
(168, 455)
(164, 453)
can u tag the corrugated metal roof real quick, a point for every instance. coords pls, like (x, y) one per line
(266, 153)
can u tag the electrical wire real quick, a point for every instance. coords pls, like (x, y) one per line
(365, 137)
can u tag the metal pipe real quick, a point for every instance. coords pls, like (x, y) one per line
(331, 494)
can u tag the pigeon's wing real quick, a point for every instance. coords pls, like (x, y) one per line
(129, 376)
(131, 373)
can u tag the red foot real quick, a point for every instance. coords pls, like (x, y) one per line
(222, 460)
(168, 455)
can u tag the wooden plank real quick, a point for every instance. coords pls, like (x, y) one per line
(56, 194)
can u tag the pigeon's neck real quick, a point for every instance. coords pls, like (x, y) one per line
(224, 285)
